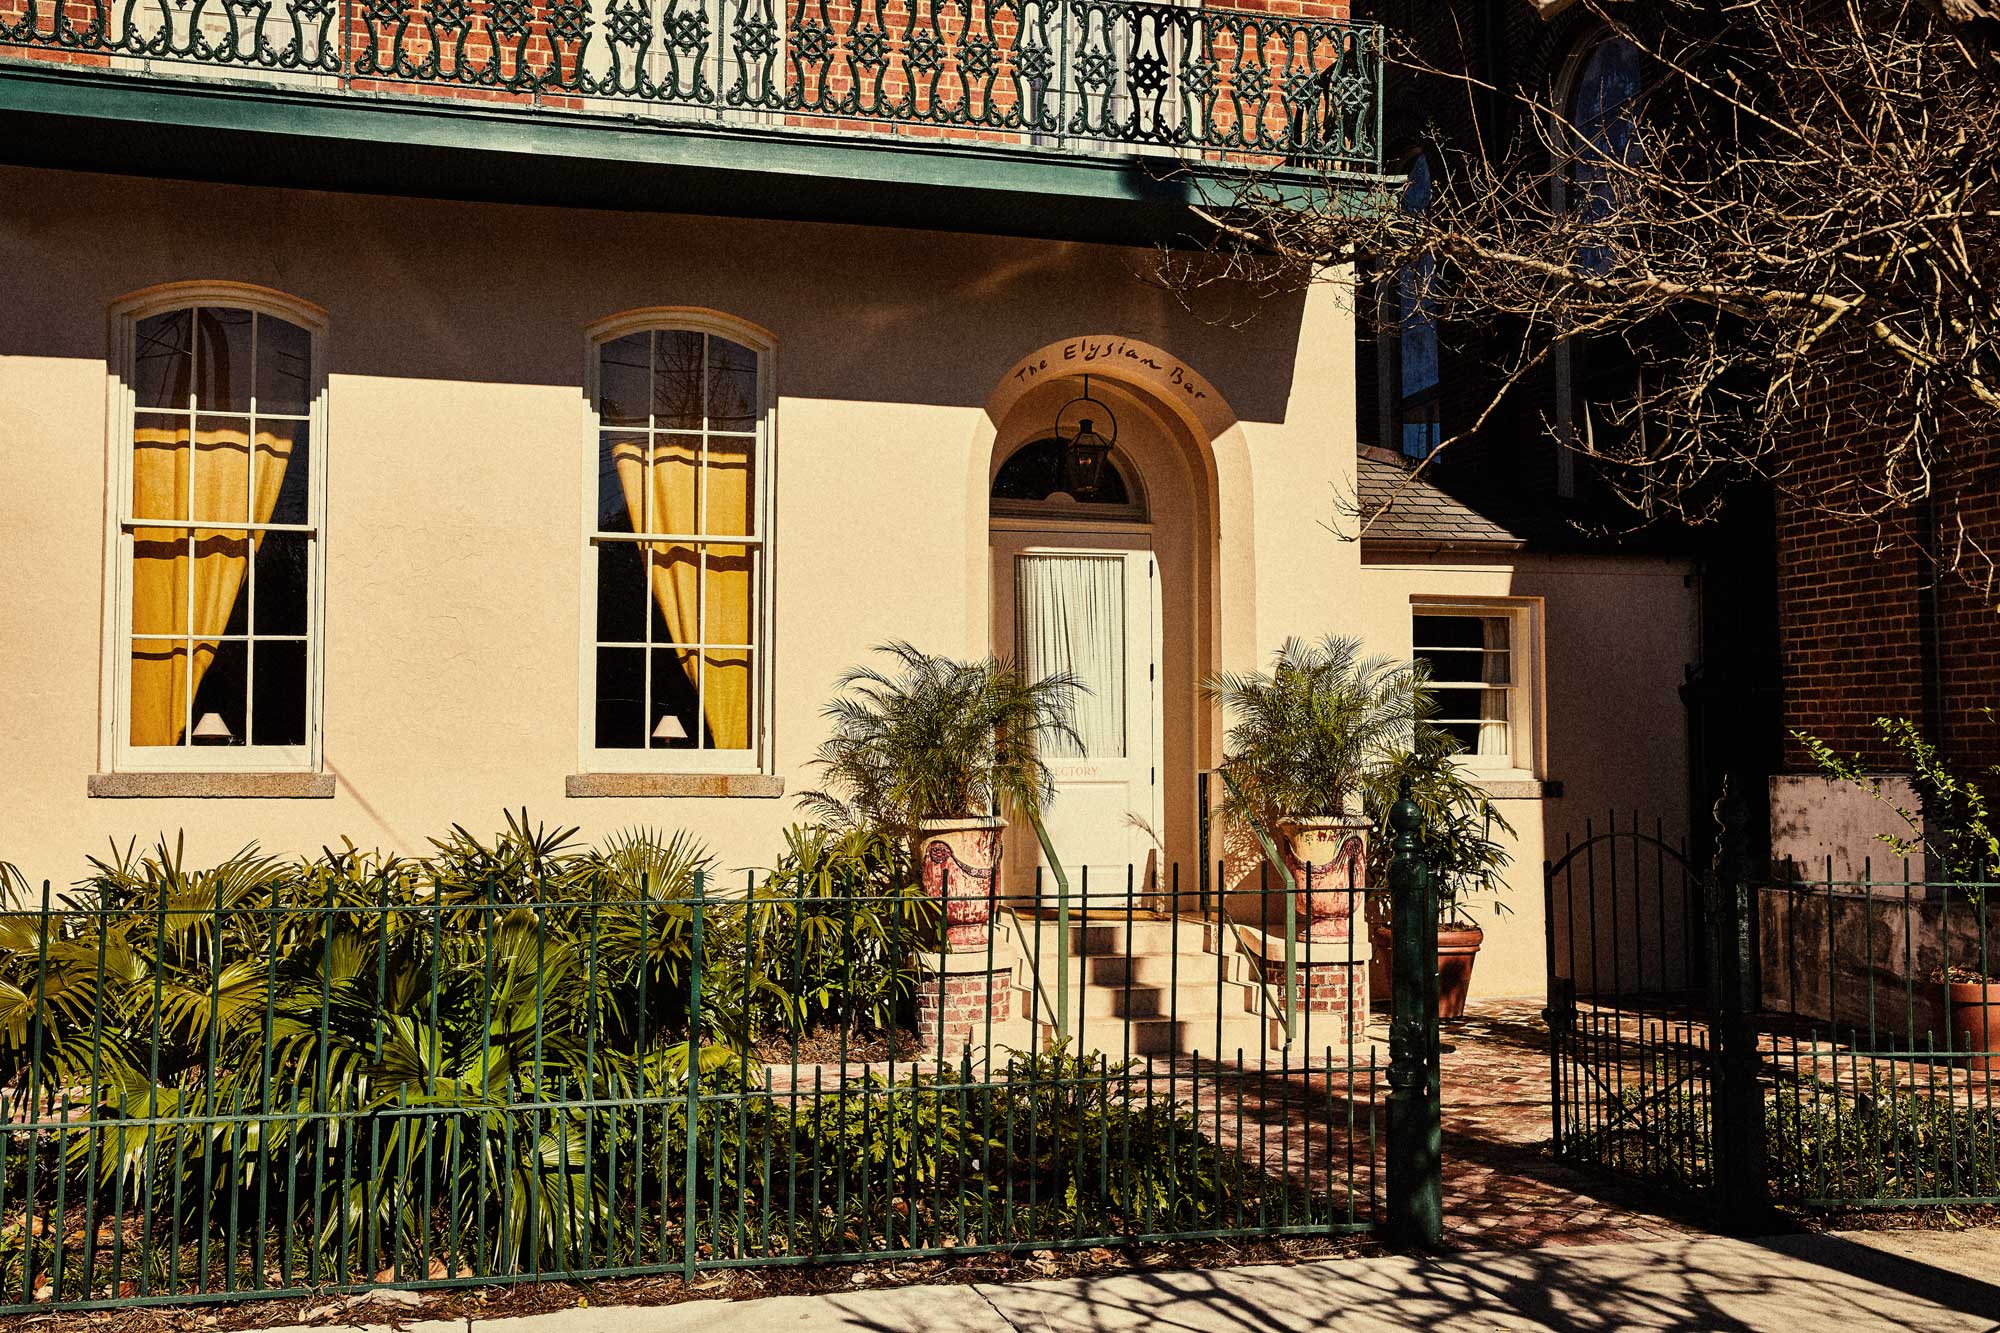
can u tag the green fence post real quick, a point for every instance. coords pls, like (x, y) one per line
(1742, 1189)
(1416, 1188)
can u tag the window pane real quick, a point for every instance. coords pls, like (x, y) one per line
(159, 580)
(621, 461)
(732, 386)
(621, 698)
(1072, 620)
(221, 675)
(222, 469)
(284, 473)
(673, 697)
(159, 691)
(677, 379)
(730, 489)
(222, 359)
(278, 706)
(160, 458)
(1465, 733)
(623, 370)
(676, 460)
(621, 593)
(1447, 632)
(281, 583)
(221, 560)
(284, 366)
(726, 607)
(163, 359)
(726, 699)
(675, 583)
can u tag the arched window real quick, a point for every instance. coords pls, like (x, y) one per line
(1602, 104)
(219, 553)
(1033, 482)
(677, 544)
(1417, 372)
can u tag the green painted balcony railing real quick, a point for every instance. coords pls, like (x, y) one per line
(1203, 83)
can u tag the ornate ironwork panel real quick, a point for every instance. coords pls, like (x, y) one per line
(1185, 81)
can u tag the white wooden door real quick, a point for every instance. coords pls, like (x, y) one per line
(1093, 612)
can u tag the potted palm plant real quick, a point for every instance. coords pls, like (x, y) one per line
(1459, 839)
(932, 750)
(1303, 738)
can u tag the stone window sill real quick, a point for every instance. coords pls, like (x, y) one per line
(754, 786)
(228, 786)
(1519, 789)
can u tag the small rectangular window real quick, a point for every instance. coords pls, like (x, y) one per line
(676, 551)
(1475, 677)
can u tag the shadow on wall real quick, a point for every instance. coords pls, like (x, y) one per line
(493, 293)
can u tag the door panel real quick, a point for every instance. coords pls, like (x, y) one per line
(1094, 614)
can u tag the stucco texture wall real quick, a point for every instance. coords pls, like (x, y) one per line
(456, 356)
(1617, 635)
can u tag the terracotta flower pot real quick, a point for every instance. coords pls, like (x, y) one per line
(1328, 856)
(1458, 950)
(1974, 1007)
(959, 860)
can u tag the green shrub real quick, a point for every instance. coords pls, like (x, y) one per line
(486, 1051)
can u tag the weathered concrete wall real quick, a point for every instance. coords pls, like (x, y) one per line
(1869, 960)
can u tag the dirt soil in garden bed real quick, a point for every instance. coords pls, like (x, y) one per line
(529, 1298)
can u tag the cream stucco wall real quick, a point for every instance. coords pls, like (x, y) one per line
(455, 369)
(453, 537)
(1617, 635)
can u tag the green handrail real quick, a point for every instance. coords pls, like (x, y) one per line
(1062, 924)
(1291, 884)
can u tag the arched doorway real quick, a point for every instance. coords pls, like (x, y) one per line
(1101, 581)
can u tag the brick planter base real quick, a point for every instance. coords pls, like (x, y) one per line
(1333, 991)
(956, 1002)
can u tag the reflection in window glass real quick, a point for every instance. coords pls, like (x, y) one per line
(219, 585)
(676, 617)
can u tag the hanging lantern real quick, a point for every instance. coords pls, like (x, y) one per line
(1087, 453)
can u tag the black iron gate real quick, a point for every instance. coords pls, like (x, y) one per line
(1633, 1060)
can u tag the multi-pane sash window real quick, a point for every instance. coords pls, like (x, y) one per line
(1474, 679)
(218, 540)
(677, 548)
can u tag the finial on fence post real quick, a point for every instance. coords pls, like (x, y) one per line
(1416, 1190)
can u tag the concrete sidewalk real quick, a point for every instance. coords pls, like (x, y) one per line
(1842, 1283)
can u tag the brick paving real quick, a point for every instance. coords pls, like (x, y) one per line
(1501, 1188)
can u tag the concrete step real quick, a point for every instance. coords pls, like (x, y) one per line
(1141, 937)
(1160, 1036)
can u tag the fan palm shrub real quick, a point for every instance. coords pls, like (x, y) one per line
(931, 751)
(937, 738)
(1302, 740)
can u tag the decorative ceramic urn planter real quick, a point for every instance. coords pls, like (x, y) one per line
(1328, 856)
(959, 860)
(1974, 1007)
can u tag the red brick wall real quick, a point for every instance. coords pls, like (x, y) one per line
(1854, 600)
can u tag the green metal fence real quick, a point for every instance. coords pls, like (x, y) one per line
(1046, 75)
(1740, 1041)
(236, 1083)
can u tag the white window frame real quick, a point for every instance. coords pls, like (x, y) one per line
(1526, 736)
(116, 752)
(759, 757)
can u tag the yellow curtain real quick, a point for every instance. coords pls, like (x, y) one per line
(163, 679)
(676, 572)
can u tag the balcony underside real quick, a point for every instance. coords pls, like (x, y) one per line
(213, 129)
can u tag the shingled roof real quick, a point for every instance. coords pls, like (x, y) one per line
(1421, 513)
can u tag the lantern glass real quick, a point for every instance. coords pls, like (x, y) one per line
(1085, 460)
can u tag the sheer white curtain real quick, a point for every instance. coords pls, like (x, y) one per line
(1072, 618)
(1496, 670)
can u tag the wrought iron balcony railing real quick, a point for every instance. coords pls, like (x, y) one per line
(1196, 82)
